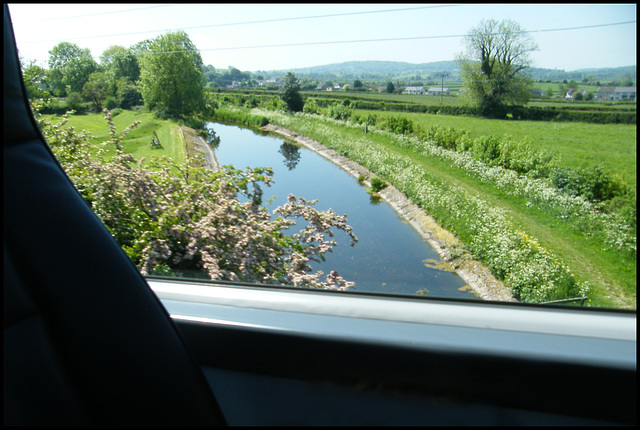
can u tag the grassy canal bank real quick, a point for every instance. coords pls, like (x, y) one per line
(541, 244)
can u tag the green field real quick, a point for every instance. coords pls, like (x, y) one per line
(611, 144)
(448, 100)
(137, 142)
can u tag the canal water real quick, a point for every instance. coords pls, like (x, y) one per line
(389, 256)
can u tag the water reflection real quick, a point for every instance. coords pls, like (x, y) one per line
(212, 138)
(291, 154)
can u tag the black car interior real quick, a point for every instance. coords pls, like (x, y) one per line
(88, 342)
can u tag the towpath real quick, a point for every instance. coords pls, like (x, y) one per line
(196, 144)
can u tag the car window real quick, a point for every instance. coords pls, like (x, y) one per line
(468, 152)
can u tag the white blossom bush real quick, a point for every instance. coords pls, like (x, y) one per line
(194, 221)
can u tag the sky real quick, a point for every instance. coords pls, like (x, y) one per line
(263, 37)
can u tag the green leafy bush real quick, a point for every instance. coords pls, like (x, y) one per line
(339, 111)
(377, 185)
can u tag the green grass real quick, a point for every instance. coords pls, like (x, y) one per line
(137, 142)
(611, 274)
(605, 271)
(402, 98)
(611, 144)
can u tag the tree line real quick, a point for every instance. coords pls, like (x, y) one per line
(167, 74)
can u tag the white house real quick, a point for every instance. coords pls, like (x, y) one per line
(436, 91)
(413, 90)
(571, 94)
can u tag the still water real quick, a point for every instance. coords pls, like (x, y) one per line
(389, 256)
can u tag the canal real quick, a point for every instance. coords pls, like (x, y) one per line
(390, 256)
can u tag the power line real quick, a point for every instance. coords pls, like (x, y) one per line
(333, 15)
(284, 45)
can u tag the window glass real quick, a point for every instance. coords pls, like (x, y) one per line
(461, 151)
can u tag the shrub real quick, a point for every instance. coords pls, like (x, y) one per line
(74, 102)
(110, 103)
(446, 137)
(486, 149)
(592, 183)
(311, 106)
(340, 112)
(162, 113)
(377, 185)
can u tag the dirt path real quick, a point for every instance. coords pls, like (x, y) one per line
(477, 276)
(196, 144)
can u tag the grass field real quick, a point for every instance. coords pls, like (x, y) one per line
(611, 144)
(137, 142)
(454, 100)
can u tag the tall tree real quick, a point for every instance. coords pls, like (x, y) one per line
(390, 87)
(69, 68)
(95, 90)
(171, 74)
(120, 62)
(35, 81)
(494, 67)
(290, 93)
(127, 93)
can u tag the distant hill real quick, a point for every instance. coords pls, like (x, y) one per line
(382, 67)
(603, 74)
(374, 70)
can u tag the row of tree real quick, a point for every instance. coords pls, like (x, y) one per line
(168, 74)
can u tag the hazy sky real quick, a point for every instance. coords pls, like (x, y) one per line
(246, 36)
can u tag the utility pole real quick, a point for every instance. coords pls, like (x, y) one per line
(442, 75)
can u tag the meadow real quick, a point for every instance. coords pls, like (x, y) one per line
(614, 145)
(138, 141)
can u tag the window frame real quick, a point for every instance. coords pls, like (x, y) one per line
(535, 364)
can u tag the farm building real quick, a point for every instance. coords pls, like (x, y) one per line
(616, 93)
(413, 90)
(436, 91)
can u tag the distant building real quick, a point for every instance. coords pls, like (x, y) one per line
(571, 94)
(537, 92)
(624, 93)
(328, 87)
(413, 90)
(616, 94)
(605, 93)
(436, 91)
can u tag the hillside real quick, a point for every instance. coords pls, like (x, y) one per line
(394, 69)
